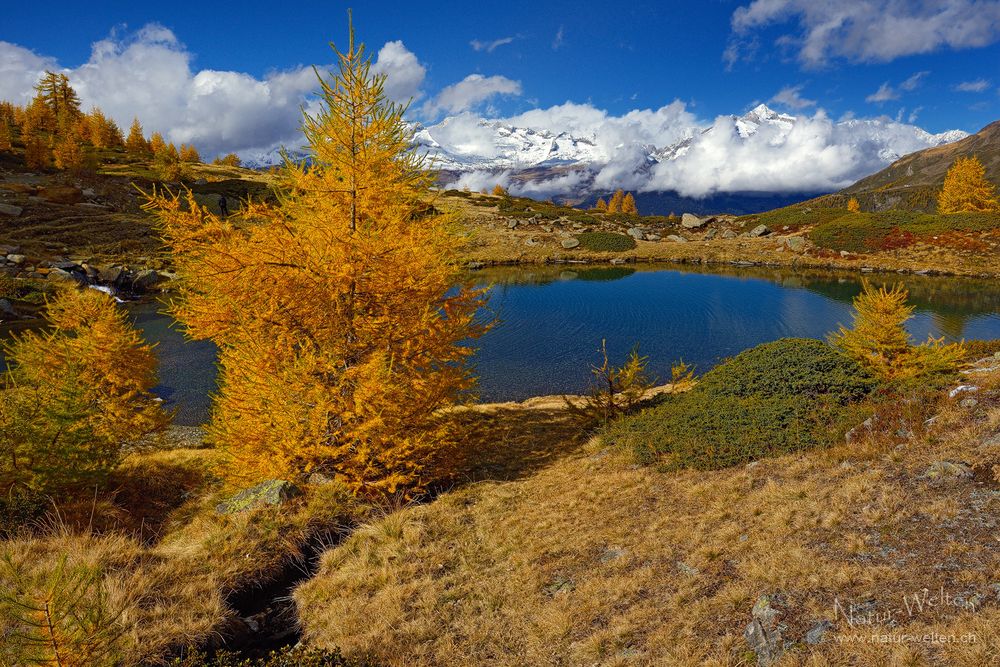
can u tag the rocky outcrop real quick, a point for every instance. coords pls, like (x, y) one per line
(271, 492)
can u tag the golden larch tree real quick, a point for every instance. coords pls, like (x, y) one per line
(37, 153)
(104, 132)
(156, 143)
(499, 190)
(879, 342)
(68, 154)
(136, 142)
(341, 333)
(601, 205)
(853, 206)
(189, 153)
(6, 138)
(228, 160)
(76, 395)
(615, 203)
(966, 188)
(628, 204)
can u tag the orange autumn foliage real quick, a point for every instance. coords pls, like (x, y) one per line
(966, 188)
(340, 333)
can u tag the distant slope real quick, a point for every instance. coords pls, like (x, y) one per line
(912, 182)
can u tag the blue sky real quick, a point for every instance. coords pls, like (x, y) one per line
(622, 77)
(618, 56)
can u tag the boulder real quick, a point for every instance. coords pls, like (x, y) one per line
(62, 275)
(61, 194)
(636, 233)
(10, 210)
(146, 279)
(760, 230)
(271, 492)
(16, 259)
(948, 470)
(7, 309)
(710, 234)
(796, 243)
(763, 634)
(815, 635)
(676, 239)
(653, 237)
(729, 234)
(512, 224)
(108, 274)
(691, 221)
(570, 243)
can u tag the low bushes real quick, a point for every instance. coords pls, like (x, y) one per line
(775, 398)
(605, 241)
(867, 232)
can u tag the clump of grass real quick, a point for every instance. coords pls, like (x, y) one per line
(776, 398)
(605, 241)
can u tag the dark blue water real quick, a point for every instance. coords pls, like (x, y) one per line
(552, 321)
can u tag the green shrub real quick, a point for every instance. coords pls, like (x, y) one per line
(773, 399)
(794, 216)
(605, 241)
(789, 367)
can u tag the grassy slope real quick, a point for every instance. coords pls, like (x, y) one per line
(915, 242)
(594, 560)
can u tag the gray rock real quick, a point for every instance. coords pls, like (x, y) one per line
(146, 279)
(795, 243)
(653, 237)
(676, 239)
(948, 470)
(760, 230)
(636, 233)
(710, 234)
(89, 192)
(691, 221)
(16, 259)
(108, 274)
(684, 568)
(547, 229)
(815, 634)
(11, 210)
(968, 403)
(729, 234)
(844, 253)
(512, 224)
(62, 275)
(7, 309)
(763, 634)
(271, 492)
(570, 243)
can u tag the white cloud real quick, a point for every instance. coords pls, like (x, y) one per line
(148, 74)
(977, 86)
(490, 47)
(404, 73)
(884, 93)
(913, 82)
(20, 70)
(791, 96)
(867, 30)
(469, 93)
(559, 39)
(693, 157)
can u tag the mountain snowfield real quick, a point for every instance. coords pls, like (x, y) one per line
(576, 150)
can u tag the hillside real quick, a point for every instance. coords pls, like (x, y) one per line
(912, 182)
(594, 560)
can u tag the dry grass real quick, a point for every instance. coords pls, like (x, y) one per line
(167, 561)
(594, 560)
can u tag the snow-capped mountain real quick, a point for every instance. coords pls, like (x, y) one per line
(569, 152)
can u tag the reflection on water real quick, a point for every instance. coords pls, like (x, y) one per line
(554, 317)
